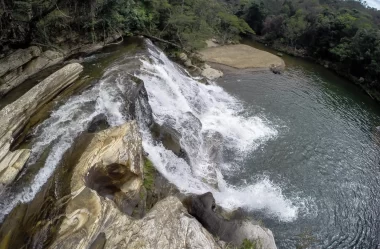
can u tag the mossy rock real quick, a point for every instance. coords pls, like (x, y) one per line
(149, 174)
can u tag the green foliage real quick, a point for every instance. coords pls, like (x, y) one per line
(345, 33)
(149, 174)
(247, 244)
(231, 26)
(186, 23)
(295, 27)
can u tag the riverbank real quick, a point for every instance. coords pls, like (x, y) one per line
(241, 56)
(302, 53)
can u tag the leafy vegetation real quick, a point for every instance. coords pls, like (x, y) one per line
(247, 244)
(55, 22)
(342, 34)
(149, 174)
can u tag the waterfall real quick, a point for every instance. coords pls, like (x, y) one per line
(207, 121)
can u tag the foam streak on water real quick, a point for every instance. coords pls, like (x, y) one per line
(193, 110)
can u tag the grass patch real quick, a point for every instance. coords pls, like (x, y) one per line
(149, 174)
(247, 244)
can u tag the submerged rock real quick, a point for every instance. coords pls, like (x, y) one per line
(212, 147)
(16, 115)
(276, 69)
(203, 208)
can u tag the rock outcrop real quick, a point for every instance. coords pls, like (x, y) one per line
(18, 58)
(211, 73)
(17, 114)
(203, 208)
(201, 68)
(24, 63)
(11, 165)
(105, 180)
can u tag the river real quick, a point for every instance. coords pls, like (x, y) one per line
(297, 151)
(325, 156)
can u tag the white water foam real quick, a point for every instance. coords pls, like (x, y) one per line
(201, 114)
(180, 102)
(64, 125)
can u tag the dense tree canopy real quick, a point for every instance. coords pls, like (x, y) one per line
(188, 23)
(346, 33)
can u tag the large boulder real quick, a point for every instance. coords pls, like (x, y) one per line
(211, 73)
(203, 208)
(17, 114)
(106, 177)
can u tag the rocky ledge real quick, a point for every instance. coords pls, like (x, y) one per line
(100, 207)
(24, 63)
(16, 115)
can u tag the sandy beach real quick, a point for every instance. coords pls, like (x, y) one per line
(242, 57)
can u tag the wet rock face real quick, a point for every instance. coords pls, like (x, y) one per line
(17, 114)
(106, 177)
(24, 63)
(213, 147)
(170, 138)
(202, 207)
(18, 58)
(99, 123)
(108, 182)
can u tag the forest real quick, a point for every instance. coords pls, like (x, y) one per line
(343, 35)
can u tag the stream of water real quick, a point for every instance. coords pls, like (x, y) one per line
(297, 151)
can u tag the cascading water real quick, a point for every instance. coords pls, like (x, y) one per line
(208, 122)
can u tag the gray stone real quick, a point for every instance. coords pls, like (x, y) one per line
(211, 73)
(18, 58)
(183, 57)
(188, 63)
(16, 115)
(11, 165)
(203, 208)
(94, 212)
(17, 76)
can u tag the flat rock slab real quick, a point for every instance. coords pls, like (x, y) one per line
(242, 57)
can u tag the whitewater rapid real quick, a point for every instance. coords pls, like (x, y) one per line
(209, 121)
(196, 110)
